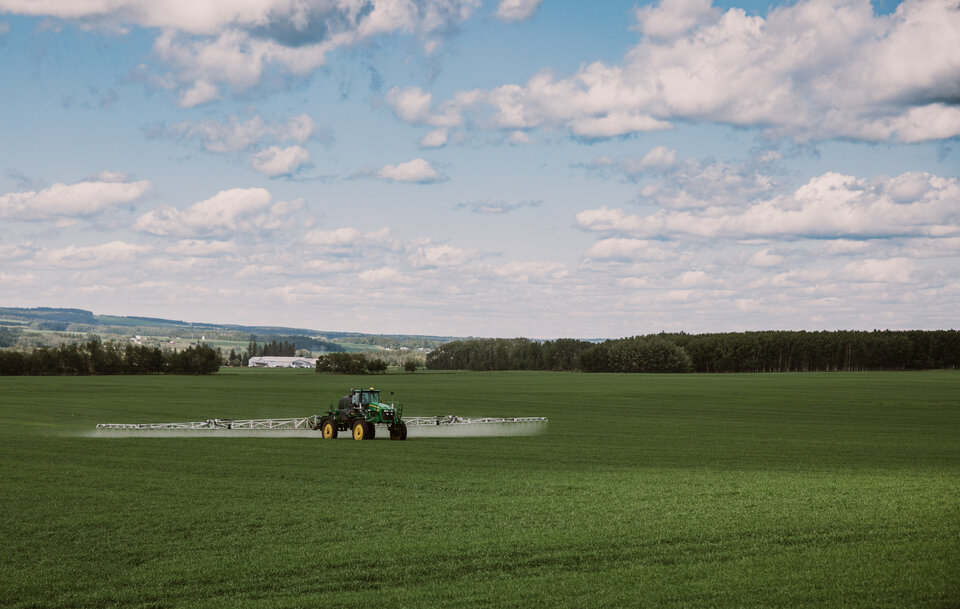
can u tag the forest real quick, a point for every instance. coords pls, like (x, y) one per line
(773, 351)
(95, 357)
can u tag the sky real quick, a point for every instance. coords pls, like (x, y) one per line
(538, 168)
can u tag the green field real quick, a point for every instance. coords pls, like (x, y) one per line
(800, 490)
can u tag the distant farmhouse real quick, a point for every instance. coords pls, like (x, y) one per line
(282, 362)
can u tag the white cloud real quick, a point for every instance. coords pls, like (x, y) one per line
(443, 256)
(490, 206)
(413, 105)
(376, 277)
(236, 135)
(765, 258)
(629, 249)
(416, 171)
(517, 10)
(200, 93)
(80, 200)
(690, 183)
(832, 205)
(660, 157)
(237, 209)
(350, 240)
(340, 237)
(199, 247)
(531, 272)
(896, 270)
(87, 257)
(235, 43)
(671, 19)
(519, 138)
(11, 279)
(842, 247)
(814, 69)
(614, 124)
(276, 161)
(435, 139)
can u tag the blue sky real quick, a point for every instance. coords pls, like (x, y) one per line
(503, 168)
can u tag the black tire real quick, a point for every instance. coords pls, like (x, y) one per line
(398, 431)
(328, 427)
(362, 430)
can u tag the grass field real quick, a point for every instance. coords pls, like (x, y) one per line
(801, 490)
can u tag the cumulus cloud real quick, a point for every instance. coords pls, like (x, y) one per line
(629, 249)
(828, 206)
(671, 19)
(491, 206)
(201, 248)
(442, 256)
(202, 46)
(229, 211)
(690, 183)
(80, 200)
(276, 161)
(413, 105)
(88, 257)
(435, 139)
(382, 275)
(530, 272)
(517, 10)
(235, 135)
(200, 93)
(340, 237)
(894, 270)
(417, 171)
(810, 70)
(348, 238)
(765, 258)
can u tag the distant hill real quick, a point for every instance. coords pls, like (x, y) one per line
(79, 320)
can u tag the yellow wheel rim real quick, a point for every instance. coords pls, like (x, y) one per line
(328, 431)
(358, 432)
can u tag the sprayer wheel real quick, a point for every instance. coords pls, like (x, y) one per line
(329, 429)
(398, 431)
(363, 430)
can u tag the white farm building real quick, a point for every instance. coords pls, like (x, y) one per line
(282, 362)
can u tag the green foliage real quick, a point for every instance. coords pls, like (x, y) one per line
(343, 363)
(8, 336)
(376, 365)
(507, 354)
(636, 354)
(720, 491)
(822, 351)
(729, 352)
(286, 346)
(96, 358)
(194, 360)
(390, 341)
(410, 365)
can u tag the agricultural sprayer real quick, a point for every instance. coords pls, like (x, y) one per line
(360, 413)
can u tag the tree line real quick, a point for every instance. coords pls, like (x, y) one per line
(350, 363)
(775, 351)
(94, 357)
(279, 347)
